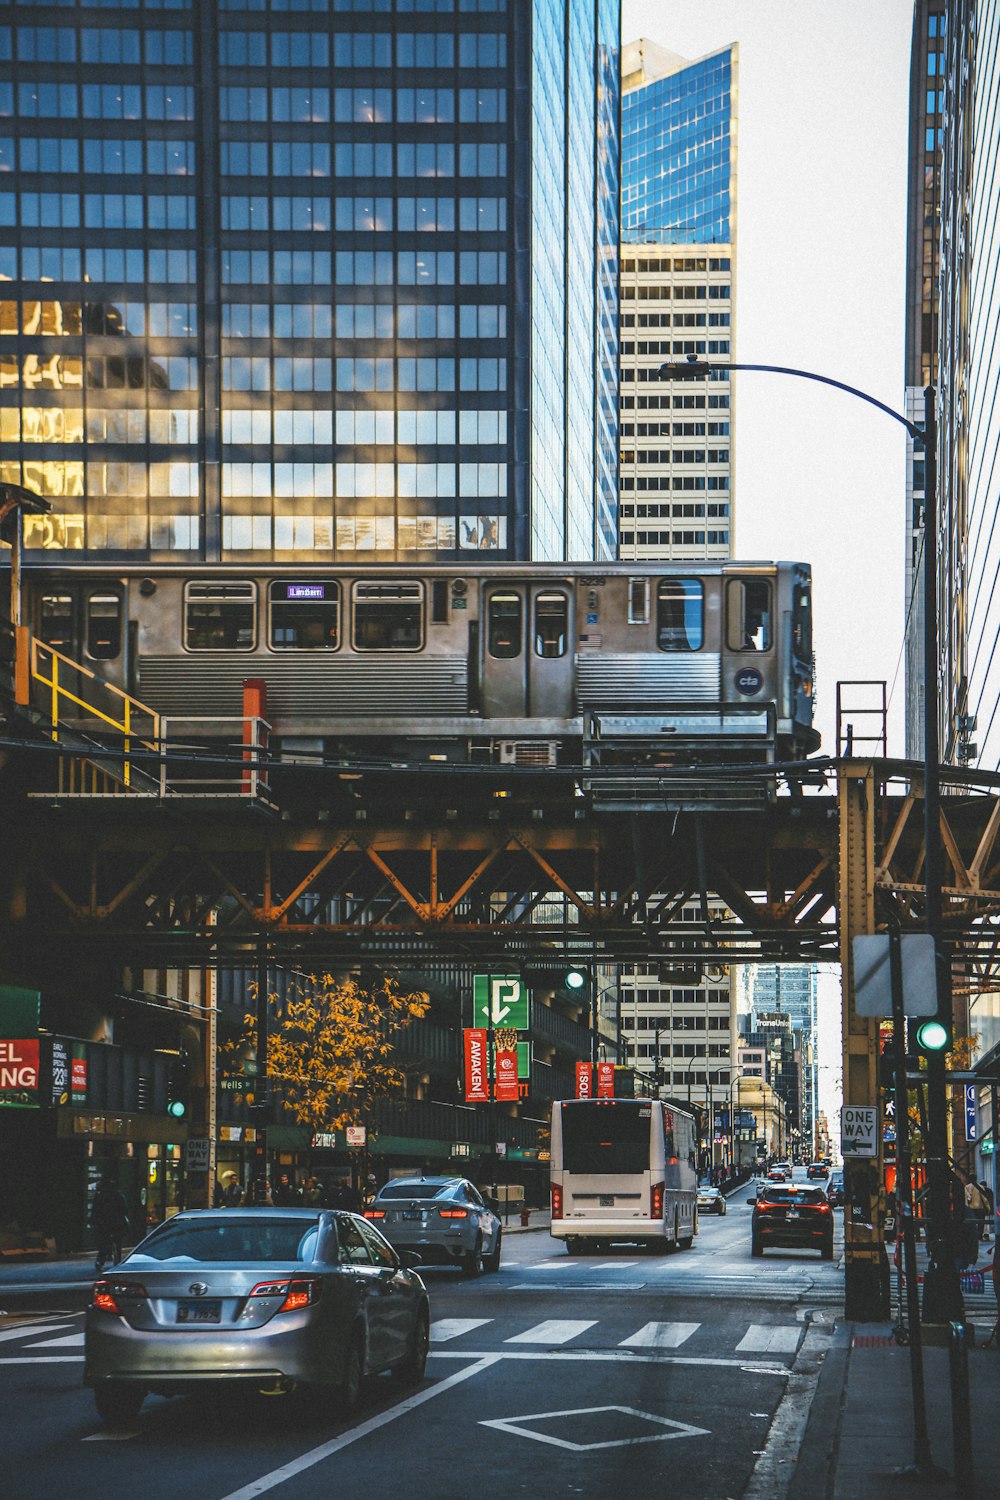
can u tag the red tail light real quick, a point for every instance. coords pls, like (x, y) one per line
(107, 1296)
(296, 1294)
(453, 1213)
(556, 1194)
(824, 1208)
(374, 1213)
(656, 1201)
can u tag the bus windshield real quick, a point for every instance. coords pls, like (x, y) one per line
(611, 1140)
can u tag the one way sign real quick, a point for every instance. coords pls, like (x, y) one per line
(858, 1130)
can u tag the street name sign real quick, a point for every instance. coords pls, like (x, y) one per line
(859, 1130)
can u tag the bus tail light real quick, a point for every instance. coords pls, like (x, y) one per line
(557, 1200)
(656, 1201)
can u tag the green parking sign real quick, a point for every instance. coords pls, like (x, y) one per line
(500, 1000)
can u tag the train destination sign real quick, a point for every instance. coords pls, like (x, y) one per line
(305, 591)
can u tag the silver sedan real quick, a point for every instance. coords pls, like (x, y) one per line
(268, 1298)
(444, 1219)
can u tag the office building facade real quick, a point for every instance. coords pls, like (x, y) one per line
(293, 281)
(791, 990)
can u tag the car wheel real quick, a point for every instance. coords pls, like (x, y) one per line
(410, 1371)
(353, 1377)
(687, 1240)
(472, 1264)
(491, 1263)
(827, 1251)
(721, 1210)
(117, 1402)
(756, 1246)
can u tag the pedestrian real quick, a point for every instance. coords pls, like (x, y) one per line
(976, 1208)
(232, 1192)
(286, 1194)
(987, 1193)
(109, 1217)
(314, 1196)
(965, 1230)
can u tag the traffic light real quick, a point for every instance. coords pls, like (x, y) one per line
(934, 1035)
(177, 1086)
(571, 979)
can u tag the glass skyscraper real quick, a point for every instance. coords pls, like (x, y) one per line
(299, 279)
(678, 257)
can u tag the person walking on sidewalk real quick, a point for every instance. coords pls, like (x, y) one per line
(987, 1192)
(109, 1218)
(975, 1214)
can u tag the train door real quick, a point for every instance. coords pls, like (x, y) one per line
(527, 650)
(82, 621)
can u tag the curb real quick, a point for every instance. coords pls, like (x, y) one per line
(820, 1447)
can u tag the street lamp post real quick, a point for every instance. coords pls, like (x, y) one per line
(942, 1288)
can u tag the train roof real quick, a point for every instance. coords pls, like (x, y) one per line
(569, 570)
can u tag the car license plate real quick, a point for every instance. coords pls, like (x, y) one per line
(606, 1201)
(793, 1213)
(411, 1213)
(199, 1312)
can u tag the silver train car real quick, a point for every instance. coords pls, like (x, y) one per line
(578, 664)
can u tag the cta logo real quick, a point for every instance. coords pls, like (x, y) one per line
(749, 681)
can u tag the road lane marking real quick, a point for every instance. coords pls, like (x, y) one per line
(452, 1328)
(614, 1265)
(326, 1450)
(30, 1331)
(613, 1356)
(514, 1425)
(660, 1336)
(111, 1437)
(553, 1331)
(553, 1265)
(45, 1359)
(768, 1338)
(71, 1341)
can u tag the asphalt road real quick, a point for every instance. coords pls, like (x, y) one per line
(589, 1376)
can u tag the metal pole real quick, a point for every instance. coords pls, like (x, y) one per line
(942, 1288)
(261, 1092)
(922, 1460)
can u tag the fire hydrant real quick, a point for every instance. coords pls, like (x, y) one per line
(524, 1215)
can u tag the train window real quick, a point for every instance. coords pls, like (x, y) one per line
(680, 614)
(388, 616)
(504, 626)
(551, 624)
(748, 614)
(802, 624)
(638, 601)
(104, 626)
(220, 616)
(305, 616)
(55, 625)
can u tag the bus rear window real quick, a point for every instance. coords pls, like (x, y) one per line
(606, 1139)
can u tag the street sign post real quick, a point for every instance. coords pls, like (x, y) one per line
(197, 1154)
(872, 979)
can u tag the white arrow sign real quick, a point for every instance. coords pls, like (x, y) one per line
(858, 1130)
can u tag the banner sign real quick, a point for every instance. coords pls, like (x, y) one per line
(477, 1090)
(60, 1072)
(506, 1075)
(78, 1075)
(584, 1080)
(19, 1073)
(605, 1080)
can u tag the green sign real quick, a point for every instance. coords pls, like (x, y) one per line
(500, 1000)
(19, 1010)
(234, 1084)
(523, 1061)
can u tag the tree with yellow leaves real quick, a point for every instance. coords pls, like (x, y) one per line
(331, 1046)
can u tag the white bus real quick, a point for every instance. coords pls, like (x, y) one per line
(623, 1170)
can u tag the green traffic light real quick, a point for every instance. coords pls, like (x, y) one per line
(933, 1036)
(176, 1108)
(575, 979)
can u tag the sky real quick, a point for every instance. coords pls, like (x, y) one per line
(820, 284)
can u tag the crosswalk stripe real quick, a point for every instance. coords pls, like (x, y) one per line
(28, 1331)
(451, 1328)
(660, 1336)
(614, 1265)
(768, 1338)
(71, 1341)
(552, 1331)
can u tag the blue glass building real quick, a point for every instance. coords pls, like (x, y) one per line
(678, 254)
(299, 279)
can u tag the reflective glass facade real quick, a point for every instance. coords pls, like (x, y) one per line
(677, 298)
(310, 277)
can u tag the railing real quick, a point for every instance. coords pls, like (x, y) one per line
(69, 712)
(235, 773)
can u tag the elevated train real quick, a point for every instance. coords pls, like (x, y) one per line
(576, 664)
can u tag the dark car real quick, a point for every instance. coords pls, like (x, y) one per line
(816, 1170)
(792, 1216)
(835, 1189)
(263, 1298)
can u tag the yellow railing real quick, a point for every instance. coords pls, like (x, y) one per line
(62, 700)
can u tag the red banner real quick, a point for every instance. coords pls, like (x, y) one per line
(19, 1064)
(506, 1075)
(477, 1088)
(584, 1080)
(605, 1080)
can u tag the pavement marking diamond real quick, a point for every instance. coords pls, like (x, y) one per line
(552, 1331)
(514, 1425)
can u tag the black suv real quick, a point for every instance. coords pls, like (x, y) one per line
(795, 1216)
